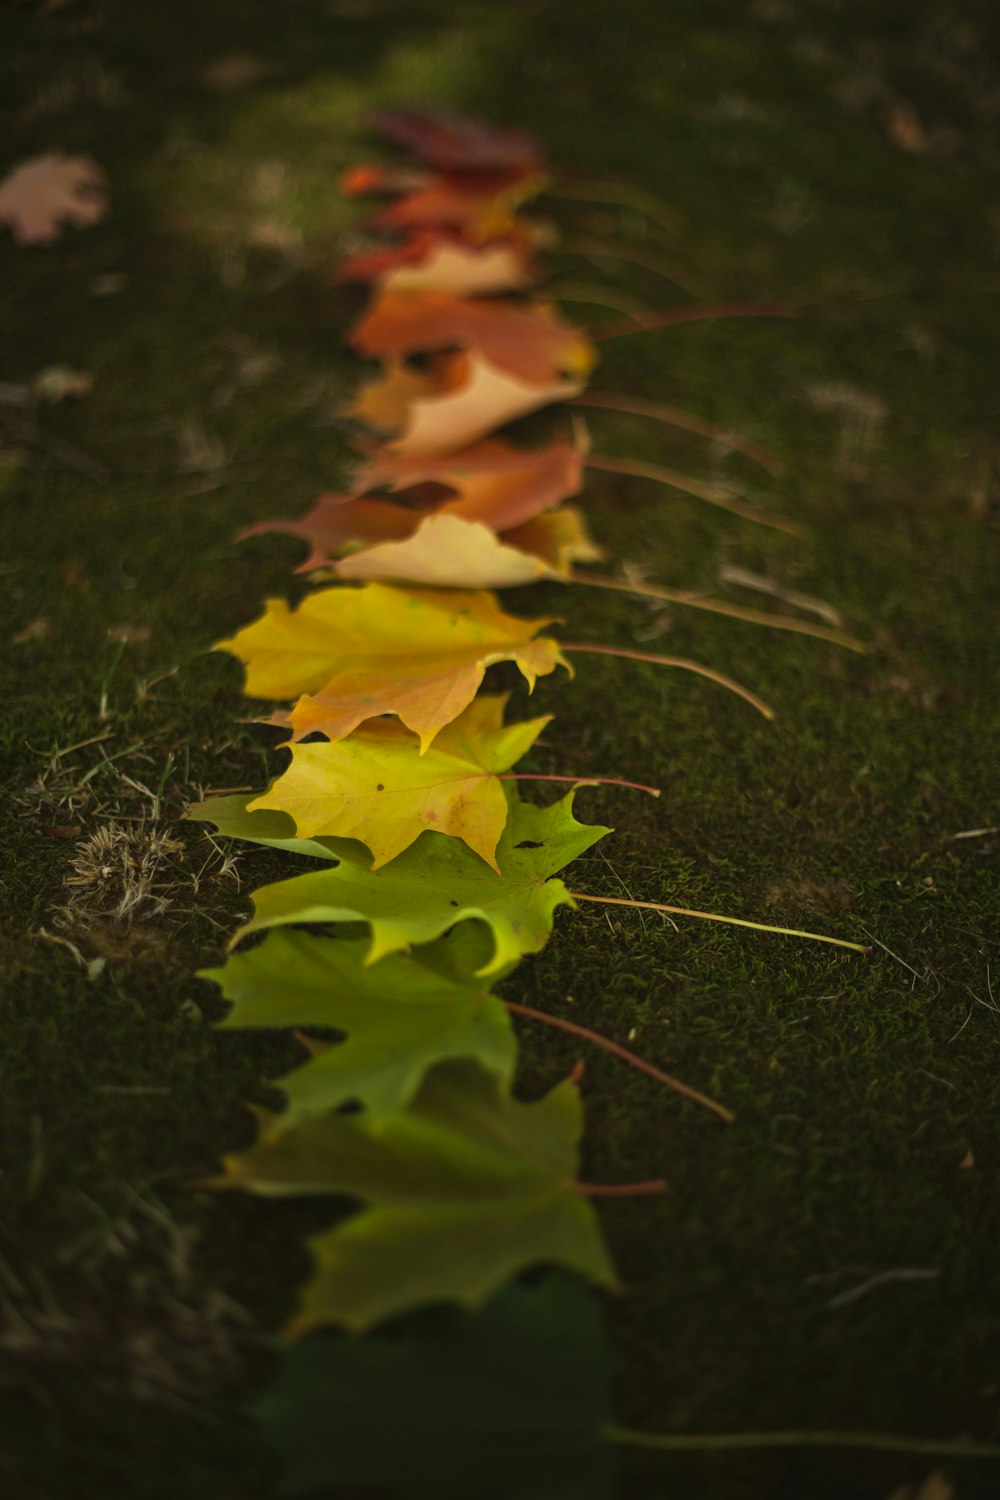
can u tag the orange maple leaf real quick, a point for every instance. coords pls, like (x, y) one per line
(530, 341)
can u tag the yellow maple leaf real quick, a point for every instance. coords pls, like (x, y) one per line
(377, 787)
(358, 653)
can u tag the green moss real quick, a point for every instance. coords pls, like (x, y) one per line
(859, 1085)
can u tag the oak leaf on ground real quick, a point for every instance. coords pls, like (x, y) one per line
(463, 1190)
(356, 653)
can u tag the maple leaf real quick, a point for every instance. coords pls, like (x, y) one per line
(38, 196)
(376, 786)
(483, 206)
(373, 650)
(530, 341)
(517, 1397)
(438, 260)
(438, 882)
(445, 551)
(336, 521)
(275, 830)
(494, 482)
(464, 1189)
(456, 143)
(400, 1017)
(458, 399)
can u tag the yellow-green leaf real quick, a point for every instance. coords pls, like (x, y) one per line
(377, 787)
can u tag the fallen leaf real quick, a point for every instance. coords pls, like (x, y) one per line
(399, 1017)
(429, 261)
(483, 206)
(40, 195)
(458, 400)
(455, 143)
(438, 882)
(273, 830)
(559, 538)
(337, 521)
(463, 1190)
(447, 552)
(420, 654)
(494, 482)
(377, 787)
(517, 1397)
(530, 341)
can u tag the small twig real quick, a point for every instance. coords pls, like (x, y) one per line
(620, 1189)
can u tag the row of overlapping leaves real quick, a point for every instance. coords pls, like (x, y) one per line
(436, 878)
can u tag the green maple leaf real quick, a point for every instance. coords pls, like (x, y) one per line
(400, 1016)
(273, 829)
(438, 881)
(465, 1188)
(508, 1404)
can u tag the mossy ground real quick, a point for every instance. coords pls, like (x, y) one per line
(866, 1090)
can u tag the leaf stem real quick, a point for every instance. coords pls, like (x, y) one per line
(630, 1057)
(711, 916)
(620, 1189)
(692, 313)
(717, 607)
(719, 1442)
(635, 786)
(637, 406)
(636, 469)
(675, 661)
